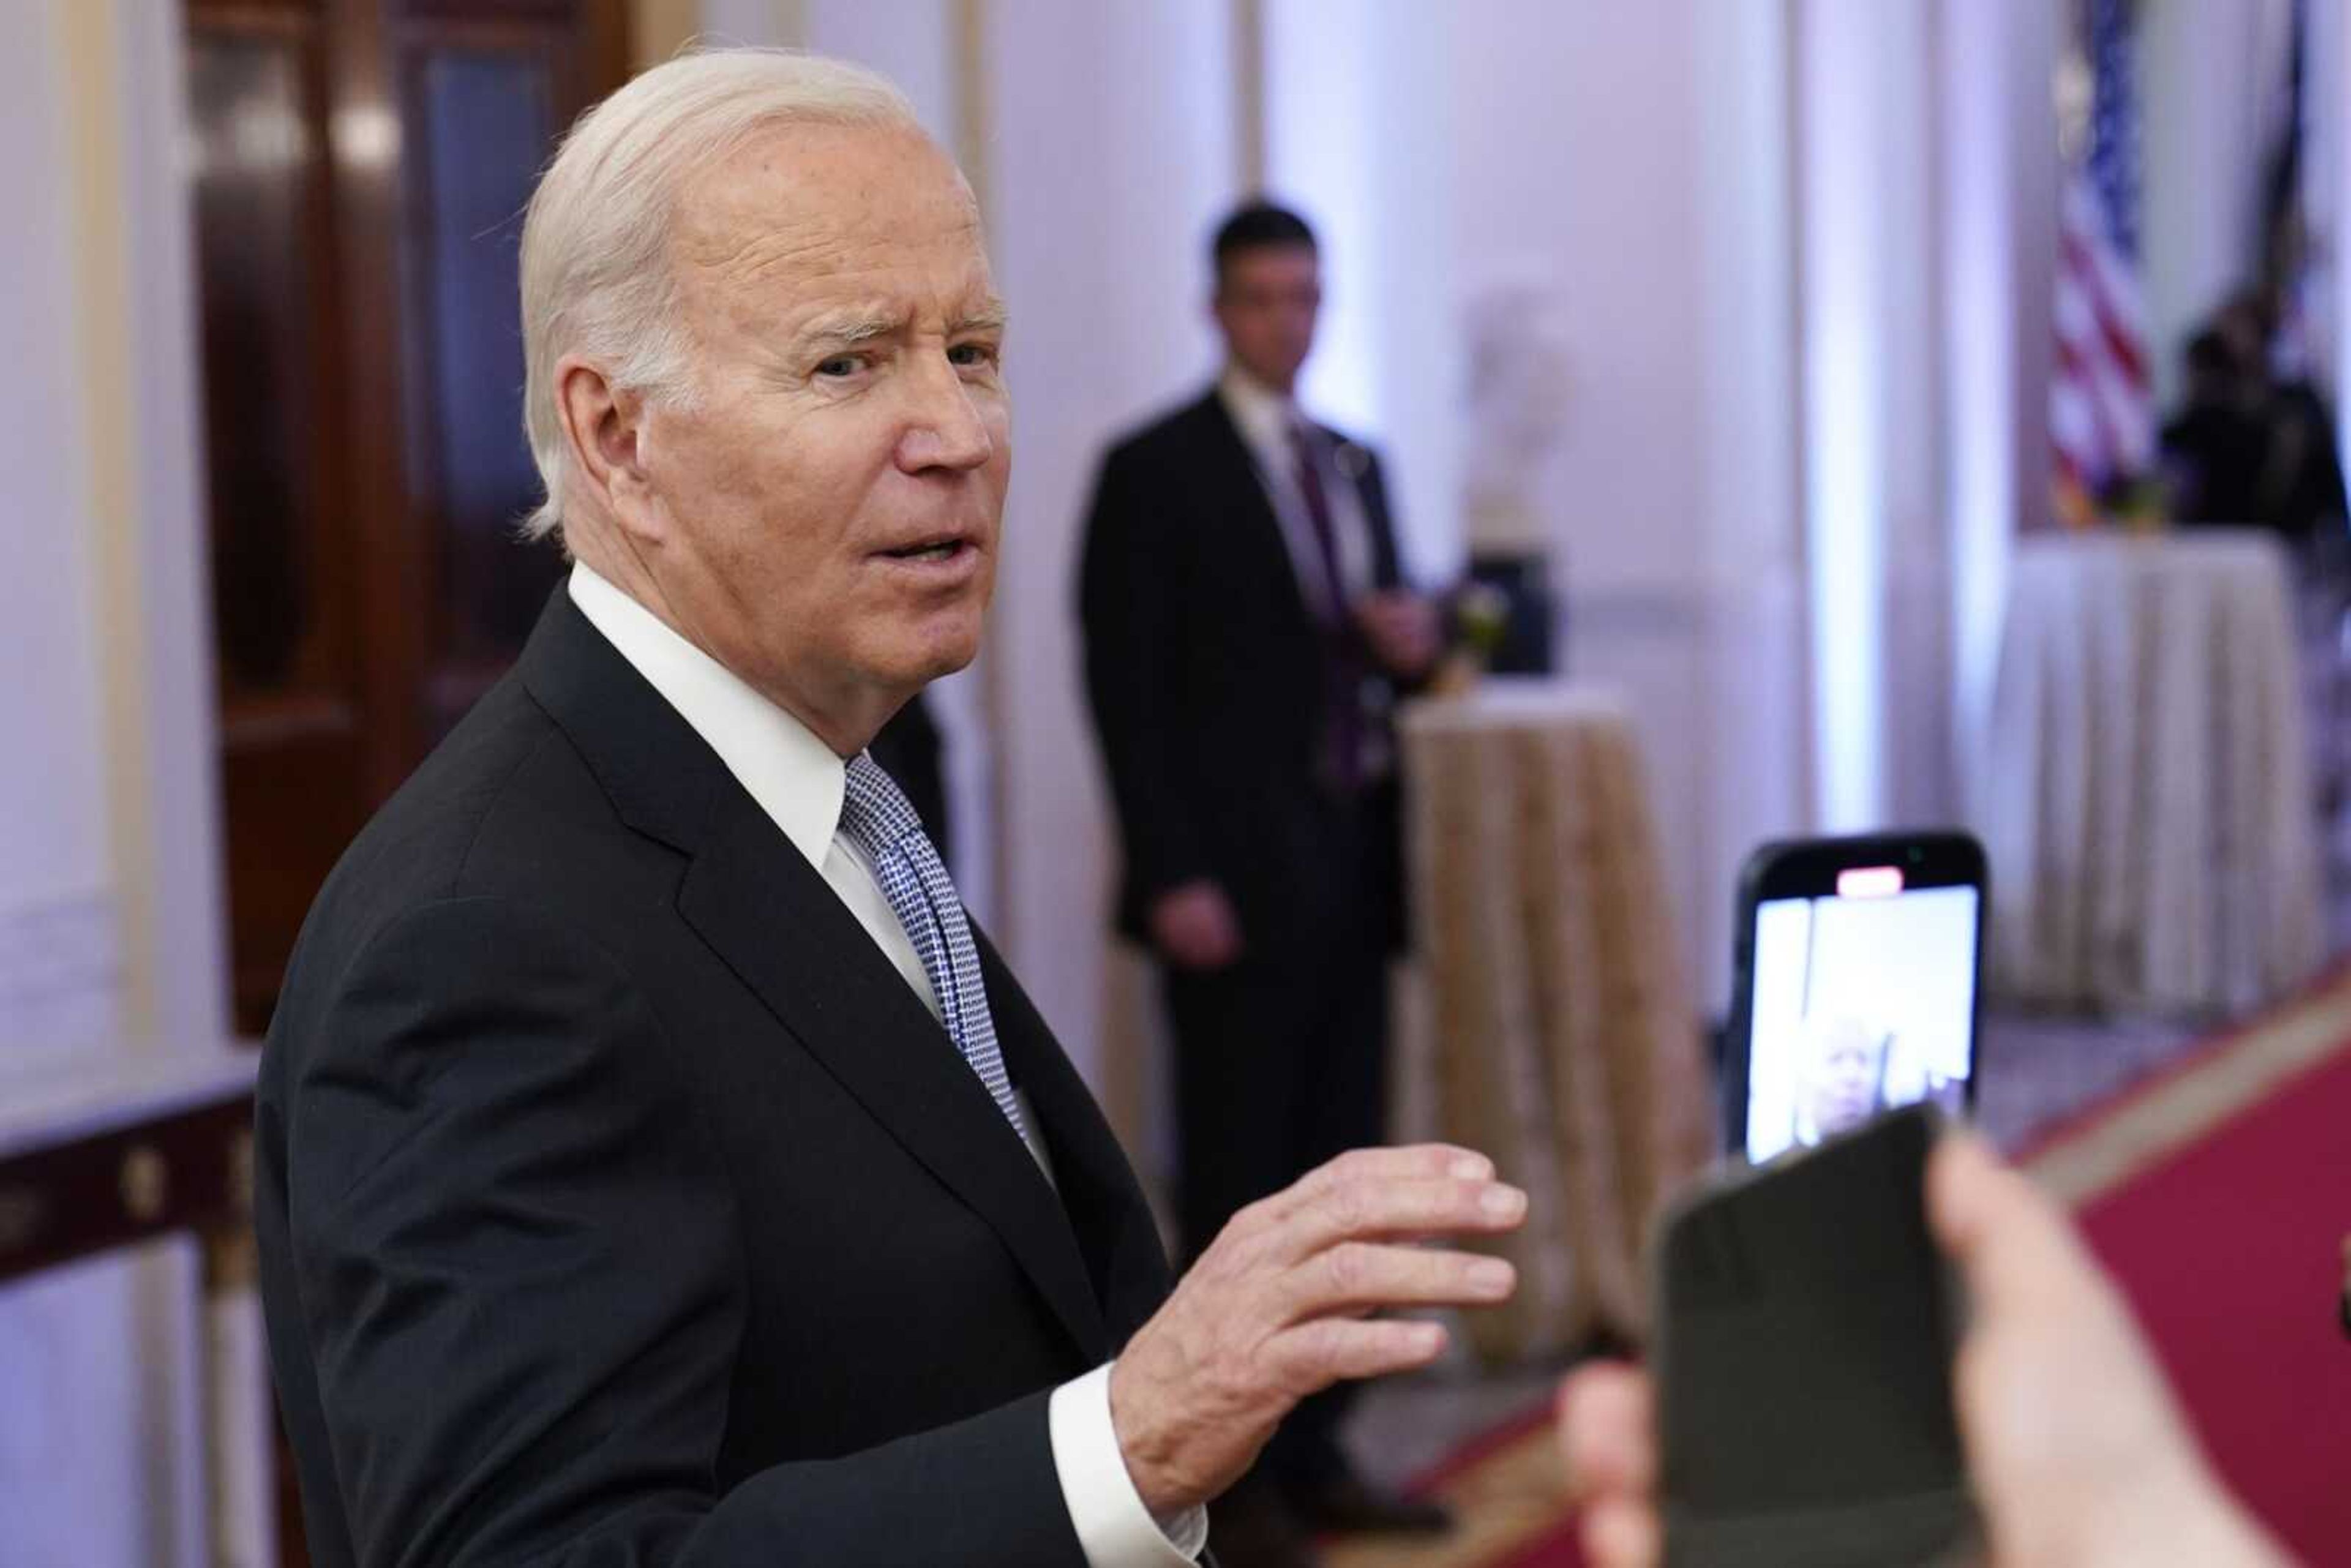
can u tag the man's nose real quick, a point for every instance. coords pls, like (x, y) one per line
(946, 430)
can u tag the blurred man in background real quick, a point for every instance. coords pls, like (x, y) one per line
(1248, 629)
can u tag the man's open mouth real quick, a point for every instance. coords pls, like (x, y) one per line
(941, 550)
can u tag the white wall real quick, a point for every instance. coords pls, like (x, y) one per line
(1111, 152)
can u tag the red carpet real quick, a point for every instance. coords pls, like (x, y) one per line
(2230, 1247)
(2218, 1193)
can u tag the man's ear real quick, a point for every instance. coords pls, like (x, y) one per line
(603, 428)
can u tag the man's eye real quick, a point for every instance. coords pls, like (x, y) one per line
(840, 365)
(972, 354)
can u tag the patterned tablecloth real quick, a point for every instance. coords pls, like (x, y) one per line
(2144, 795)
(1558, 1028)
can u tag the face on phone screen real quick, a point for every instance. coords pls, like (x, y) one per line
(1862, 1000)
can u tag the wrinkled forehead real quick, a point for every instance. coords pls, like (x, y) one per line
(798, 205)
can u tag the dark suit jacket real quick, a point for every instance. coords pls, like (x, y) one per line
(1205, 666)
(618, 1204)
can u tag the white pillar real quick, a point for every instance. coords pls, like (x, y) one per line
(105, 815)
(58, 944)
(1998, 176)
(1871, 341)
(1752, 735)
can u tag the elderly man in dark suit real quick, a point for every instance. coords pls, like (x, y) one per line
(1248, 629)
(655, 1164)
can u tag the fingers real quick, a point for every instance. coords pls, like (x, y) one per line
(1382, 1210)
(2010, 1242)
(1357, 1275)
(1408, 1163)
(1607, 1432)
(1621, 1533)
(1346, 1179)
(1313, 1355)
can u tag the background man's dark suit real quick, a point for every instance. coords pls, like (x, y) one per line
(622, 1204)
(1208, 678)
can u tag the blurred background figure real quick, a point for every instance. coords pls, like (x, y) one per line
(1248, 629)
(2215, 443)
(2252, 447)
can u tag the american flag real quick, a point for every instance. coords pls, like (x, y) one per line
(2102, 398)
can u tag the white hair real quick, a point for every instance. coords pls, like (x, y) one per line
(597, 275)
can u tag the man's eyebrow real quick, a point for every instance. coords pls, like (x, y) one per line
(988, 317)
(846, 329)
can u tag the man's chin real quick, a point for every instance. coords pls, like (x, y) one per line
(939, 655)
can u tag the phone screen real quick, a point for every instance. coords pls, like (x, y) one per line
(1864, 999)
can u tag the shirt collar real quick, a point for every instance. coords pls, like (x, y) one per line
(1265, 416)
(795, 779)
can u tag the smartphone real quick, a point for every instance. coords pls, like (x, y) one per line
(1805, 1329)
(1858, 970)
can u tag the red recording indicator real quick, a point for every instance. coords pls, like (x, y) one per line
(1870, 882)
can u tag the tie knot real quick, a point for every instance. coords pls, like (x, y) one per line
(873, 811)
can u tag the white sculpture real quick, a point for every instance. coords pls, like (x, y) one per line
(1518, 395)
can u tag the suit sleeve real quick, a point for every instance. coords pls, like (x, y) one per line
(521, 1290)
(1387, 563)
(1127, 605)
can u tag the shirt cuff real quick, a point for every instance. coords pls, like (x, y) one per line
(1114, 1529)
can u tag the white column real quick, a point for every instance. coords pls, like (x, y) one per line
(1871, 347)
(100, 619)
(59, 944)
(153, 601)
(1999, 177)
(1751, 741)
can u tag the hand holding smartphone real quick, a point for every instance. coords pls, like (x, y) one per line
(1806, 1323)
(1803, 1355)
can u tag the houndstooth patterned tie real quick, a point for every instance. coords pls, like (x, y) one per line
(881, 820)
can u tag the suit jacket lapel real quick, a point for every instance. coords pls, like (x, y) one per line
(767, 913)
(1105, 1206)
(770, 916)
(1233, 473)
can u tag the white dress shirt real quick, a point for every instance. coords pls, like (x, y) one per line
(1265, 418)
(799, 781)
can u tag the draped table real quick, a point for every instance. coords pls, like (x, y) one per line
(1559, 1033)
(2145, 796)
